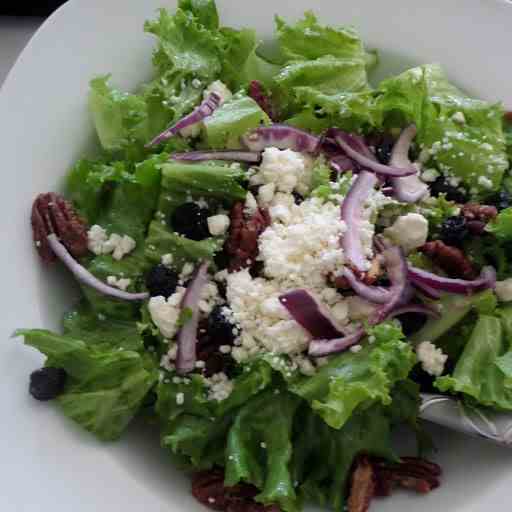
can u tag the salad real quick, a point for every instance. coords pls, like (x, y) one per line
(276, 257)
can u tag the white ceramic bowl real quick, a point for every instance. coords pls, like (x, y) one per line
(46, 462)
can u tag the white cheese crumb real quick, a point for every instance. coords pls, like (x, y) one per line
(180, 398)
(225, 349)
(432, 358)
(503, 290)
(200, 364)
(287, 169)
(220, 89)
(263, 445)
(220, 387)
(218, 224)
(409, 231)
(167, 259)
(99, 243)
(250, 204)
(196, 83)
(355, 348)
(166, 363)
(459, 117)
(121, 283)
(359, 308)
(165, 313)
(96, 238)
(266, 193)
(485, 182)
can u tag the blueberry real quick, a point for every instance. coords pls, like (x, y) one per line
(454, 230)
(502, 200)
(298, 198)
(161, 280)
(440, 186)
(190, 220)
(47, 383)
(220, 329)
(383, 149)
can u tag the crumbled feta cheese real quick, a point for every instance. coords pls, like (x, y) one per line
(165, 313)
(356, 348)
(225, 349)
(196, 83)
(166, 363)
(266, 193)
(220, 89)
(503, 290)
(485, 182)
(288, 170)
(459, 117)
(200, 364)
(432, 358)
(251, 205)
(96, 238)
(303, 249)
(118, 245)
(220, 387)
(167, 259)
(121, 283)
(430, 175)
(409, 231)
(218, 224)
(180, 398)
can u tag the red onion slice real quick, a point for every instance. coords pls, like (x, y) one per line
(414, 308)
(375, 294)
(341, 163)
(421, 277)
(205, 109)
(320, 348)
(353, 147)
(252, 157)
(409, 189)
(281, 136)
(428, 291)
(351, 213)
(84, 276)
(187, 336)
(400, 291)
(306, 311)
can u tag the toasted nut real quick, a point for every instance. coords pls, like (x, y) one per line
(450, 259)
(51, 213)
(362, 488)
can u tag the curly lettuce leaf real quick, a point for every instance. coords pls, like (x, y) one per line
(482, 371)
(236, 117)
(318, 62)
(196, 429)
(84, 324)
(471, 148)
(323, 456)
(105, 386)
(351, 379)
(501, 226)
(259, 447)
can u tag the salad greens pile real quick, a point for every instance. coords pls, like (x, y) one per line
(293, 436)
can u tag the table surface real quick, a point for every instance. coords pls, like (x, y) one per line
(15, 33)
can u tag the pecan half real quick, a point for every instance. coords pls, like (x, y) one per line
(208, 488)
(450, 259)
(412, 473)
(242, 243)
(362, 487)
(51, 213)
(377, 477)
(483, 213)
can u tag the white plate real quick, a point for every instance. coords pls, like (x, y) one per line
(46, 462)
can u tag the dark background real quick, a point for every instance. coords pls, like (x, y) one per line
(30, 8)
